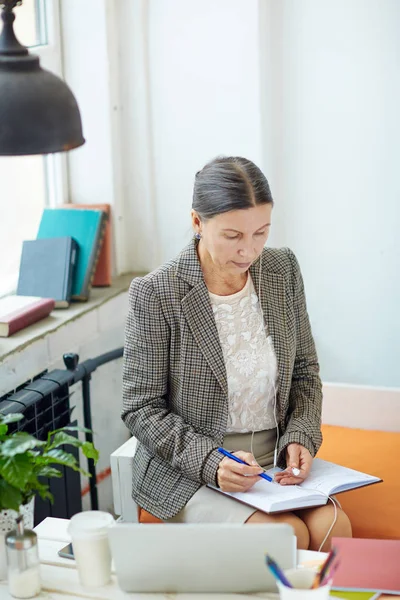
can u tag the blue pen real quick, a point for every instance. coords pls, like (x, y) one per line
(239, 460)
(277, 571)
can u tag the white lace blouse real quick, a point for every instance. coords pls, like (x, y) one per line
(250, 360)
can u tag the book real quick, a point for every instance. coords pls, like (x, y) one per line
(103, 273)
(87, 229)
(18, 312)
(326, 478)
(367, 565)
(46, 269)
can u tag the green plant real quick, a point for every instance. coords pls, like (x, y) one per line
(25, 461)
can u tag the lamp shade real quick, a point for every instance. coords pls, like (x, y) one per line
(38, 111)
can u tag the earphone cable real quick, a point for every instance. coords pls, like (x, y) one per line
(334, 501)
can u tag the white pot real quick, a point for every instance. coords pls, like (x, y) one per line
(7, 523)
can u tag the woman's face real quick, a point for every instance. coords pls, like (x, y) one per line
(236, 238)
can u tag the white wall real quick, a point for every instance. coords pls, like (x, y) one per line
(335, 176)
(190, 92)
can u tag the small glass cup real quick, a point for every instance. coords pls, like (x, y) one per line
(23, 562)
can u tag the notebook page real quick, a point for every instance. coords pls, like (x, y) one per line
(272, 497)
(329, 478)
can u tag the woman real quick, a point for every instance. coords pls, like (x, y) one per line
(219, 351)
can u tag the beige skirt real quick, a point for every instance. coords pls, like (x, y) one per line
(209, 506)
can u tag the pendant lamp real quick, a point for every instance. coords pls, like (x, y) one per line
(38, 111)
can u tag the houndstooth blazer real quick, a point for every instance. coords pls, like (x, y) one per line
(175, 394)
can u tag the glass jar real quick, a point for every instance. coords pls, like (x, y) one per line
(23, 562)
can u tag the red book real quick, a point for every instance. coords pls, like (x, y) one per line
(103, 273)
(18, 312)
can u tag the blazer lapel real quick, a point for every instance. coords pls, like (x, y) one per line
(197, 310)
(273, 304)
(196, 307)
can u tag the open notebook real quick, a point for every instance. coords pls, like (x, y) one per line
(325, 479)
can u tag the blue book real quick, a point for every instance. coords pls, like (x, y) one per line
(86, 227)
(47, 269)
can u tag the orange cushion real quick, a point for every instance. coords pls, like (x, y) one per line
(146, 517)
(374, 511)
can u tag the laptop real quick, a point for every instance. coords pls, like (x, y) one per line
(209, 557)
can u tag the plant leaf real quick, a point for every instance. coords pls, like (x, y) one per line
(3, 429)
(60, 457)
(11, 418)
(43, 491)
(10, 496)
(47, 471)
(84, 473)
(90, 451)
(19, 443)
(70, 428)
(61, 438)
(35, 486)
(16, 470)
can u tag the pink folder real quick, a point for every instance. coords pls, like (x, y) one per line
(367, 565)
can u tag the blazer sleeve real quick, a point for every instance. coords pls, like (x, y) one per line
(303, 421)
(145, 391)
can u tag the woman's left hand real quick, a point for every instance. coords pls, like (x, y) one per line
(297, 457)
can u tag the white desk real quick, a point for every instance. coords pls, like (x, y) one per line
(60, 577)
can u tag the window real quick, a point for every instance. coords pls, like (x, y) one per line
(30, 24)
(29, 183)
(23, 193)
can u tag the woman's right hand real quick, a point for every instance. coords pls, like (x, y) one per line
(235, 477)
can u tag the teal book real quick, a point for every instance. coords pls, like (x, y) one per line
(86, 227)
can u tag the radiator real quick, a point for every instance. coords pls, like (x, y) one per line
(45, 402)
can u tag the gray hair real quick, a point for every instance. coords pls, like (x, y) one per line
(229, 183)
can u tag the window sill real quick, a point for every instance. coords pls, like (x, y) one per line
(60, 317)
